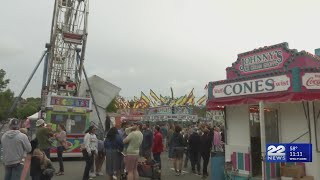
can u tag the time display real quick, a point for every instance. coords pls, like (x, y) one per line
(296, 154)
(299, 152)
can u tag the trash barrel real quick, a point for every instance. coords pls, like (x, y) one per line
(217, 165)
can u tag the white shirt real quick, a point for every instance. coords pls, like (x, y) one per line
(91, 142)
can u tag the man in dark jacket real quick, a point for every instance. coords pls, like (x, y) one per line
(194, 151)
(205, 149)
(146, 145)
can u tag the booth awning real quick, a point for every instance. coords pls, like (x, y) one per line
(279, 97)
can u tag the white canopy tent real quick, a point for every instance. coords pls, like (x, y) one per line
(35, 116)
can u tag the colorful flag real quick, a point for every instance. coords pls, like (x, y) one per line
(191, 100)
(179, 101)
(135, 99)
(145, 98)
(162, 99)
(202, 100)
(154, 96)
(154, 104)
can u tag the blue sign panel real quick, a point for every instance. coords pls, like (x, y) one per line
(289, 153)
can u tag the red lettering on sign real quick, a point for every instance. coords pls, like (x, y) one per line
(313, 82)
(218, 90)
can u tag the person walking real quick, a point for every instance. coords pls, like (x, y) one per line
(61, 138)
(157, 147)
(113, 146)
(90, 149)
(147, 142)
(194, 151)
(205, 149)
(134, 141)
(15, 146)
(178, 145)
(43, 136)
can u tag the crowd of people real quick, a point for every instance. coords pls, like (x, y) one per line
(18, 146)
(122, 148)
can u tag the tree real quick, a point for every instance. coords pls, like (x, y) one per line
(3, 82)
(112, 106)
(28, 107)
(6, 95)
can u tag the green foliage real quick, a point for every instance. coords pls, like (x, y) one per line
(6, 95)
(28, 107)
(6, 100)
(112, 106)
(3, 82)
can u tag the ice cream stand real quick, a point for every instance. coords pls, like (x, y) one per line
(271, 95)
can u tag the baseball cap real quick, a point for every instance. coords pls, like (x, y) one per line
(14, 123)
(40, 122)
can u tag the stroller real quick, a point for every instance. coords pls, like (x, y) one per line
(149, 170)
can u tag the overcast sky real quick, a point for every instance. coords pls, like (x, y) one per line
(143, 44)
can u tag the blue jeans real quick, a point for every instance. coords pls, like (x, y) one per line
(14, 172)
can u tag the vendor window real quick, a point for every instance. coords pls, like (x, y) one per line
(271, 132)
(78, 123)
(59, 118)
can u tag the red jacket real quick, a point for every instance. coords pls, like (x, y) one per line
(157, 146)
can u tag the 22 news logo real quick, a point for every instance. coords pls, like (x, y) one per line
(276, 153)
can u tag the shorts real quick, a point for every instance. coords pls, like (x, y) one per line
(178, 153)
(131, 162)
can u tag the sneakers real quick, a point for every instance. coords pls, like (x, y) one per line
(99, 174)
(92, 175)
(178, 173)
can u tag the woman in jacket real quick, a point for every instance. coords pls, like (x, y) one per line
(178, 145)
(113, 146)
(157, 147)
(90, 142)
(61, 138)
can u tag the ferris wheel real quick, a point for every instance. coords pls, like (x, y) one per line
(67, 47)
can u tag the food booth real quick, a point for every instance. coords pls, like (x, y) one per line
(271, 95)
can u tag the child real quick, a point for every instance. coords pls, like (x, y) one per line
(41, 167)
